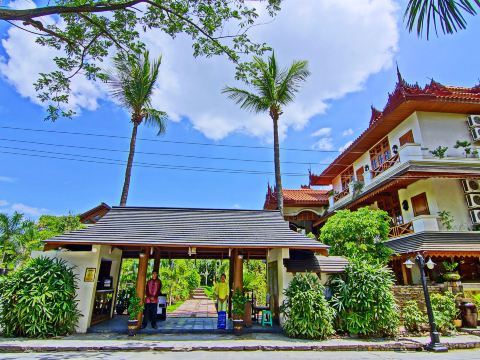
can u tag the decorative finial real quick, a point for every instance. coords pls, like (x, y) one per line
(399, 75)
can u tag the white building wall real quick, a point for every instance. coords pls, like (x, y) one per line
(410, 123)
(439, 129)
(81, 260)
(361, 162)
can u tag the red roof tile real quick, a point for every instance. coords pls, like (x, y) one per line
(296, 197)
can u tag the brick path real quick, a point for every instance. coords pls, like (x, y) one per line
(200, 306)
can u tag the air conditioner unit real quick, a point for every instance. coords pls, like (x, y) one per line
(475, 216)
(473, 200)
(474, 120)
(475, 132)
(471, 185)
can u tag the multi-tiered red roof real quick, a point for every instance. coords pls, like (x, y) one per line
(296, 197)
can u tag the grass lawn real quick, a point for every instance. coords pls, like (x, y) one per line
(209, 291)
(173, 307)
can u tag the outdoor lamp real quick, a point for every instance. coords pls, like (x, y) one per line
(409, 263)
(430, 264)
(367, 168)
(395, 149)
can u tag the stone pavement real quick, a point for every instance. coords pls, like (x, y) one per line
(225, 342)
(199, 306)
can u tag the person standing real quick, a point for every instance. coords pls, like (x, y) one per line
(221, 293)
(152, 291)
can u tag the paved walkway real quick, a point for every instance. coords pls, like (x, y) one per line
(200, 306)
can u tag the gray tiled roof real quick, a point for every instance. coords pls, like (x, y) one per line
(448, 241)
(332, 264)
(191, 227)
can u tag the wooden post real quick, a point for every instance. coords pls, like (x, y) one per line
(156, 262)
(404, 273)
(230, 283)
(142, 278)
(238, 272)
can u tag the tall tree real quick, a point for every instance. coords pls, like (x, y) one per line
(86, 32)
(132, 84)
(449, 14)
(271, 89)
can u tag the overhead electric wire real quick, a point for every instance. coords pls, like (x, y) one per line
(169, 141)
(159, 154)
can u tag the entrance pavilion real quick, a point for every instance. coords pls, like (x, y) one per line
(184, 233)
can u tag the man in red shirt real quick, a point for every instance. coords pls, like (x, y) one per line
(152, 291)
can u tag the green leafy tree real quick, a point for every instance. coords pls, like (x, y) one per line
(359, 233)
(38, 300)
(449, 15)
(86, 33)
(17, 238)
(49, 225)
(444, 311)
(307, 312)
(132, 84)
(363, 299)
(271, 88)
(255, 280)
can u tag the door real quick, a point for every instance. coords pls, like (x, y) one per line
(273, 289)
(420, 205)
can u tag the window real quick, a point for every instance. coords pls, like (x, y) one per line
(420, 205)
(346, 177)
(406, 138)
(359, 173)
(380, 153)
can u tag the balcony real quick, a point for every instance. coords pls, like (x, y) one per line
(341, 194)
(402, 229)
(417, 224)
(386, 165)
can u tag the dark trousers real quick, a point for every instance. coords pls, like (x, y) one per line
(150, 313)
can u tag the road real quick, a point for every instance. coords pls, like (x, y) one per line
(254, 355)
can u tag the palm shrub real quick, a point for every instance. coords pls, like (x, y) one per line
(444, 311)
(363, 299)
(38, 299)
(308, 314)
(413, 317)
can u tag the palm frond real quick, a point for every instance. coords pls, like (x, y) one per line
(157, 119)
(246, 99)
(421, 15)
(290, 81)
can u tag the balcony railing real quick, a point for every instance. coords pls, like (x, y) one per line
(386, 165)
(399, 230)
(341, 194)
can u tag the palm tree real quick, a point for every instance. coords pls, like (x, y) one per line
(132, 83)
(16, 234)
(274, 88)
(448, 13)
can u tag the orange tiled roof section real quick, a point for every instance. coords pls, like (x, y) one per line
(402, 102)
(296, 197)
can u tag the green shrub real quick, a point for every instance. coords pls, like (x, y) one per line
(308, 314)
(364, 301)
(238, 304)
(38, 300)
(476, 301)
(413, 317)
(135, 306)
(444, 311)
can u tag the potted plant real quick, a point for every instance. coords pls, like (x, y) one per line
(451, 274)
(135, 308)
(466, 145)
(238, 311)
(439, 152)
(457, 322)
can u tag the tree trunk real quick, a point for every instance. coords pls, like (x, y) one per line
(128, 171)
(276, 155)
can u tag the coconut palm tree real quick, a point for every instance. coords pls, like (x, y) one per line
(449, 14)
(273, 89)
(132, 83)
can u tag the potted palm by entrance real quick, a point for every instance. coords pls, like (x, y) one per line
(135, 308)
(238, 311)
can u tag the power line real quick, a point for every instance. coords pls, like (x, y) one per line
(159, 154)
(102, 160)
(168, 141)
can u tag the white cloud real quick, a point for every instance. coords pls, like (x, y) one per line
(324, 144)
(4, 202)
(347, 132)
(344, 147)
(322, 132)
(341, 40)
(7, 179)
(28, 210)
(236, 206)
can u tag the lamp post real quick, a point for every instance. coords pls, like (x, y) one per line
(435, 344)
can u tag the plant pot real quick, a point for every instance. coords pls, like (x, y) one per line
(132, 327)
(238, 326)
(451, 276)
(457, 323)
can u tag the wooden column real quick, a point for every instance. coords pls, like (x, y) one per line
(404, 273)
(238, 272)
(230, 282)
(156, 262)
(142, 278)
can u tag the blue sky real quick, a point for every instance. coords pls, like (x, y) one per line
(352, 56)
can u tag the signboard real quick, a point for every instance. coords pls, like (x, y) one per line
(89, 275)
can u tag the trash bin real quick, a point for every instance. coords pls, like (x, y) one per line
(162, 308)
(469, 315)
